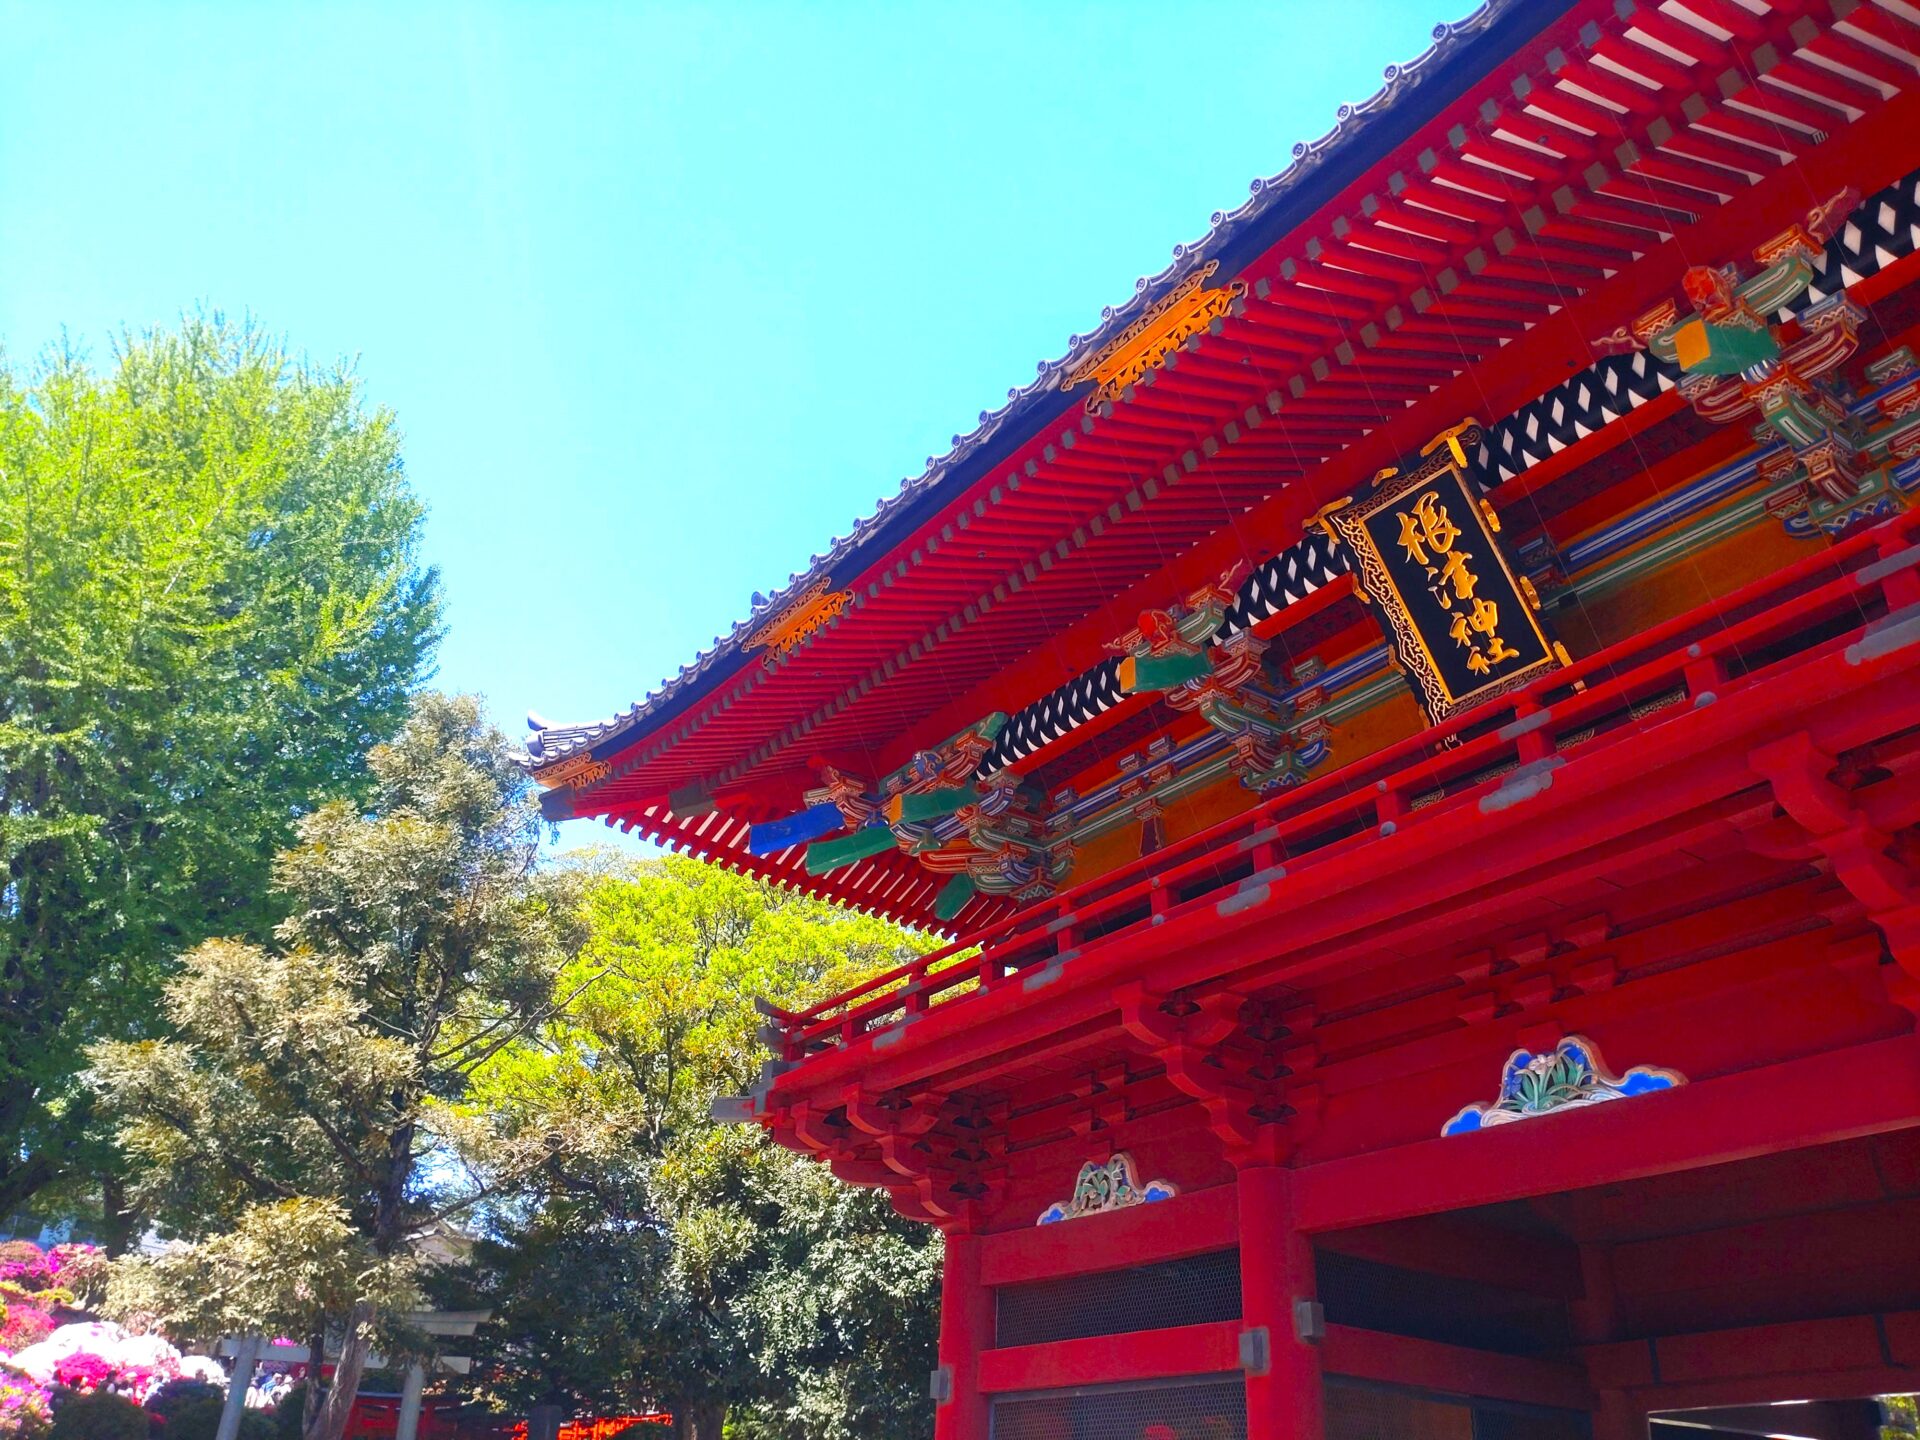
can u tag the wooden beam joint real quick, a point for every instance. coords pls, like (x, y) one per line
(1800, 775)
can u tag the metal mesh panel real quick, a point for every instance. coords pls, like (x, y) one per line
(1192, 1291)
(1212, 1407)
(1371, 1296)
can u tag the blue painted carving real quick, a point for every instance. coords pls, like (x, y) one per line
(1100, 1188)
(1569, 1076)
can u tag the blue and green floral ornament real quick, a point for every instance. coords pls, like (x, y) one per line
(1569, 1076)
(1101, 1188)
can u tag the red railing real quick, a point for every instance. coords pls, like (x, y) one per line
(1814, 605)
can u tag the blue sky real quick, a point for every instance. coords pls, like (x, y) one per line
(664, 295)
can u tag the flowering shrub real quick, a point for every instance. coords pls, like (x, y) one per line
(99, 1356)
(23, 1324)
(24, 1409)
(26, 1265)
(46, 1281)
(79, 1270)
(86, 1371)
(81, 1381)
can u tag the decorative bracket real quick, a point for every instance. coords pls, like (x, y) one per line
(1800, 775)
(1238, 1060)
(938, 1168)
(574, 773)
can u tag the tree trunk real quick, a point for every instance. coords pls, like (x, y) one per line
(116, 1220)
(699, 1419)
(316, 1357)
(331, 1422)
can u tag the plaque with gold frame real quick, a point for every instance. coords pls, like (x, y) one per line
(1464, 625)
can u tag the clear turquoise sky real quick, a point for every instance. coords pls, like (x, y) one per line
(664, 295)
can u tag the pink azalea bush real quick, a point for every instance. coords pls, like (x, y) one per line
(47, 1280)
(86, 1371)
(26, 1266)
(41, 1359)
(99, 1355)
(26, 1409)
(22, 1325)
(78, 1269)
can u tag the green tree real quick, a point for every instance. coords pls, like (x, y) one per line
(210, 606)
(664, 1260)
(304, 1120)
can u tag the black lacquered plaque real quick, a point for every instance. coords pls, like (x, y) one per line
(1463, 623)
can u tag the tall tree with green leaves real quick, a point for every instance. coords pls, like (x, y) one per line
(211, 604)
(660, 1259)
(308, 1117)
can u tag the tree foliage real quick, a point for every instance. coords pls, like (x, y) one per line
(309, 1098)
(283, 1263)
(210, 606)
(660, 1259)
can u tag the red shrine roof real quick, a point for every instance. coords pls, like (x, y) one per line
(1033, 401)
(1455, 246)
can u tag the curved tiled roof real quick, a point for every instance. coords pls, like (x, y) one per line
(900, 513)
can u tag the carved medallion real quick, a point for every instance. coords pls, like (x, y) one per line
(806, 617)
(1145, 344)
(1569, 1076)
(575, 773)
(1101, 1188)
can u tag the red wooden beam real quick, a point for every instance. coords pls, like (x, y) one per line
(1166, 1230)
(1442, 852)
(1833, 1359)
(1453, 1369)
(1102, 1359)
(1863, 1090)
(1463, 1250)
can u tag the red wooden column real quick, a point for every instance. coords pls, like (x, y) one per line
(966, 1328)
(1276, 1270)
(1616, 1415)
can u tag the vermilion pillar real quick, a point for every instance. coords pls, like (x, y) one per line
(1276, 1270)
(966, 1328)
(1595, 1320)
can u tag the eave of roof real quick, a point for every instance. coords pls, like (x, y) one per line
(1414, 92)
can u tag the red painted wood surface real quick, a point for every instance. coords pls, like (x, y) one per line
(1100, 1359)
(1454, 1369)
(1861, 1090)
(1167, 1230)
(966, 1329)
(1839, 1358)
(1687, 745)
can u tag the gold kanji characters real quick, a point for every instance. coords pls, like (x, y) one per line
(1426, 528)
(1482, 620)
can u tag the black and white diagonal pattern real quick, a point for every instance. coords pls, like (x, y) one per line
(1590, 401)
(1292, 575)
(1882, 228)
(1053, 715)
